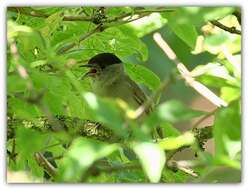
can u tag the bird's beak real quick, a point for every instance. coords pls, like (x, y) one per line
(87, 65)
(91, 72)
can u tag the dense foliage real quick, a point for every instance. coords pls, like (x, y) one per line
(59, 131)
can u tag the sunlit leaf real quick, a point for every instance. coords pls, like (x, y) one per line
(230, 94)
(227, 125)
(152, 158)
(106, 112)
(51, 24)
(81, 155)
(171, 143)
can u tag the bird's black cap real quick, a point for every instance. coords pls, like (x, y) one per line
(104, 59)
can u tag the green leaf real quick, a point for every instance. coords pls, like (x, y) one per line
(14, 30)
(34, 143)
(69, 31)
(141, 74)
(76, 106)
(26, 148)
(187, 32)
(51, 24)
(38, 63)
(170, 176)
(106, 112)
(118, 41)
(54, 102)
(220, 174)
(22, 109)
(172, 143)
(230, 94)
(30, 43)
(15, 84)
(169, 130)
(232, 147)
(81, 155)
(174, 111)
(152, 159)
(214, 81)
(227, 125)
(197, 16)
(147, 25)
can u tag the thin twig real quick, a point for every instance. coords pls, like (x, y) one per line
(232, 30)
(171, 153)
(70, 45)
(13, 151)
(54, 158)
(44, 163)
(172, 164)
(175, 165)
(117, 168)
(136, 12)
(101, 27)
(50, 146)
(204, 118)
(35, 13)
(147, 104)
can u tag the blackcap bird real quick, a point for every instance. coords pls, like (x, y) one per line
(110, 80)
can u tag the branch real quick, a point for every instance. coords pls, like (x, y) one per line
(148, 104)
(44, 163)
(35, 13)
(137, 12)
(172, 165)
(109, 22)
(204, 118)
(186, 74)
(70, 45)
(177, 165)
(117, 168)
(232, 30)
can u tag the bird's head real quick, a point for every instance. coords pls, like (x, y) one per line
(99, 63)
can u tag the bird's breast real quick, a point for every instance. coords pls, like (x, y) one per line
(117, 89)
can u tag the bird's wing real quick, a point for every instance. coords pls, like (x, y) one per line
(139, 95)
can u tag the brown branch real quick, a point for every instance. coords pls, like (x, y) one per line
(232, 30)
(186, 74)
(136, 12)
(109, 22)
(148, 104)
(30, 12)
